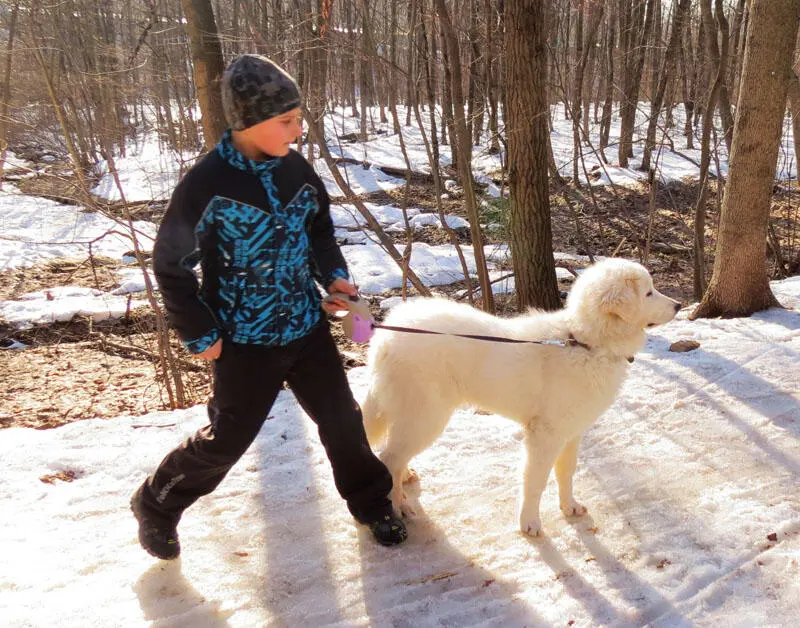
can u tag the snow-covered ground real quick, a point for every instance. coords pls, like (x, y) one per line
(150, 172)
(35, 229)
(13, 161)
(691, 480)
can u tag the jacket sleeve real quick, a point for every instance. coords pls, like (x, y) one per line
(177, 251)
(327, 257)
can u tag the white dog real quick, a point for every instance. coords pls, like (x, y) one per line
(554, 392)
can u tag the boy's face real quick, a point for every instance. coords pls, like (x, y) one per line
(273, 137)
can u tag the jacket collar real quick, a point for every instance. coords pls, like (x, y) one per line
(261, 169)
(229, 153)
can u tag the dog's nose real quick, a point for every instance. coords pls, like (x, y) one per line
(677, 307)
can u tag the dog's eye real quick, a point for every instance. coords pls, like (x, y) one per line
(649, 294)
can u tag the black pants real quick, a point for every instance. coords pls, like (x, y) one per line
(247, 379)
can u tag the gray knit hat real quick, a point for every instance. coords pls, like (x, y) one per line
(255, 89)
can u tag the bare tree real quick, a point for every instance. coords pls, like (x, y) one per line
(208, 66)
(667, 69)
(635, 25)
(705, 142)
(739, 285)
(6, 96)
(463, 146)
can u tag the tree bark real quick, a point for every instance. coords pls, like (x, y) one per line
(6, 98)
(739, 285)
(688, 88)
(527, 114)
(636, 33)
(208, 67)
(666, 75)
(608, 103)
(462, 145)
(582, 49)
(705, 144)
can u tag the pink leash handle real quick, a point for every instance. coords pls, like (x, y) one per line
(358, 323)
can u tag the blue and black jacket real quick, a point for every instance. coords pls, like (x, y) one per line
(262, 233)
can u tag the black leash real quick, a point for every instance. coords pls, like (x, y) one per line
(570, 342)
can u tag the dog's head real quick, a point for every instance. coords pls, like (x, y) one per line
(621, 293)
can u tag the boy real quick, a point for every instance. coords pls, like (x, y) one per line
(255, 216)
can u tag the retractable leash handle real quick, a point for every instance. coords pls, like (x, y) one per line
(358, 322)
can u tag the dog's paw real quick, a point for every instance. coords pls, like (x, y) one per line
(532, 526)
(401, 506)
(409, 476)
(573, 509)
(406, 511)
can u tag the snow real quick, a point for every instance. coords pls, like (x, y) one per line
(13, 162)
(62, 303)
(425, 220)
(361, 180)
(132, 280)
(373, 270)
(150, 171)
(345, 215)
(35, 229)
(685, 477)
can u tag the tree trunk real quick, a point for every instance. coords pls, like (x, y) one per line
(608, 103)
(739, 285)
(705, 149)
(491, 79)
(6, 98)
(638, 32)
(577, 89)
(462, 145)
(666, 75)
(688, 88)
(318, 65)
(719, 62)
(527, 113)
(208, 67)
(582, 49)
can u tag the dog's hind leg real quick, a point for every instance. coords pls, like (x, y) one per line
(565, 466)
(541, 446)
(375, 423)
(409, 435)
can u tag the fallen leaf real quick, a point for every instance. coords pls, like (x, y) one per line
(64, 476)
(682, 346)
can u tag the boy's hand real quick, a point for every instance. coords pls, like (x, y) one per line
(212, 353)
(339, 285)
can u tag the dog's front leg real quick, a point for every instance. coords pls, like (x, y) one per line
(541, 449)
(565, 466)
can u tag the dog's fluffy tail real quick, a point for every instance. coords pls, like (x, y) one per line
(375, 423)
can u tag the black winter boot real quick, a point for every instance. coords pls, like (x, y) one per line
(388, 530)
(158, 538)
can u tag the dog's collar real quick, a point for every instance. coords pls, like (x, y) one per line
(572, 341)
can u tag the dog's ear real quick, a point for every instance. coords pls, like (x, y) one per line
(618, 298)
